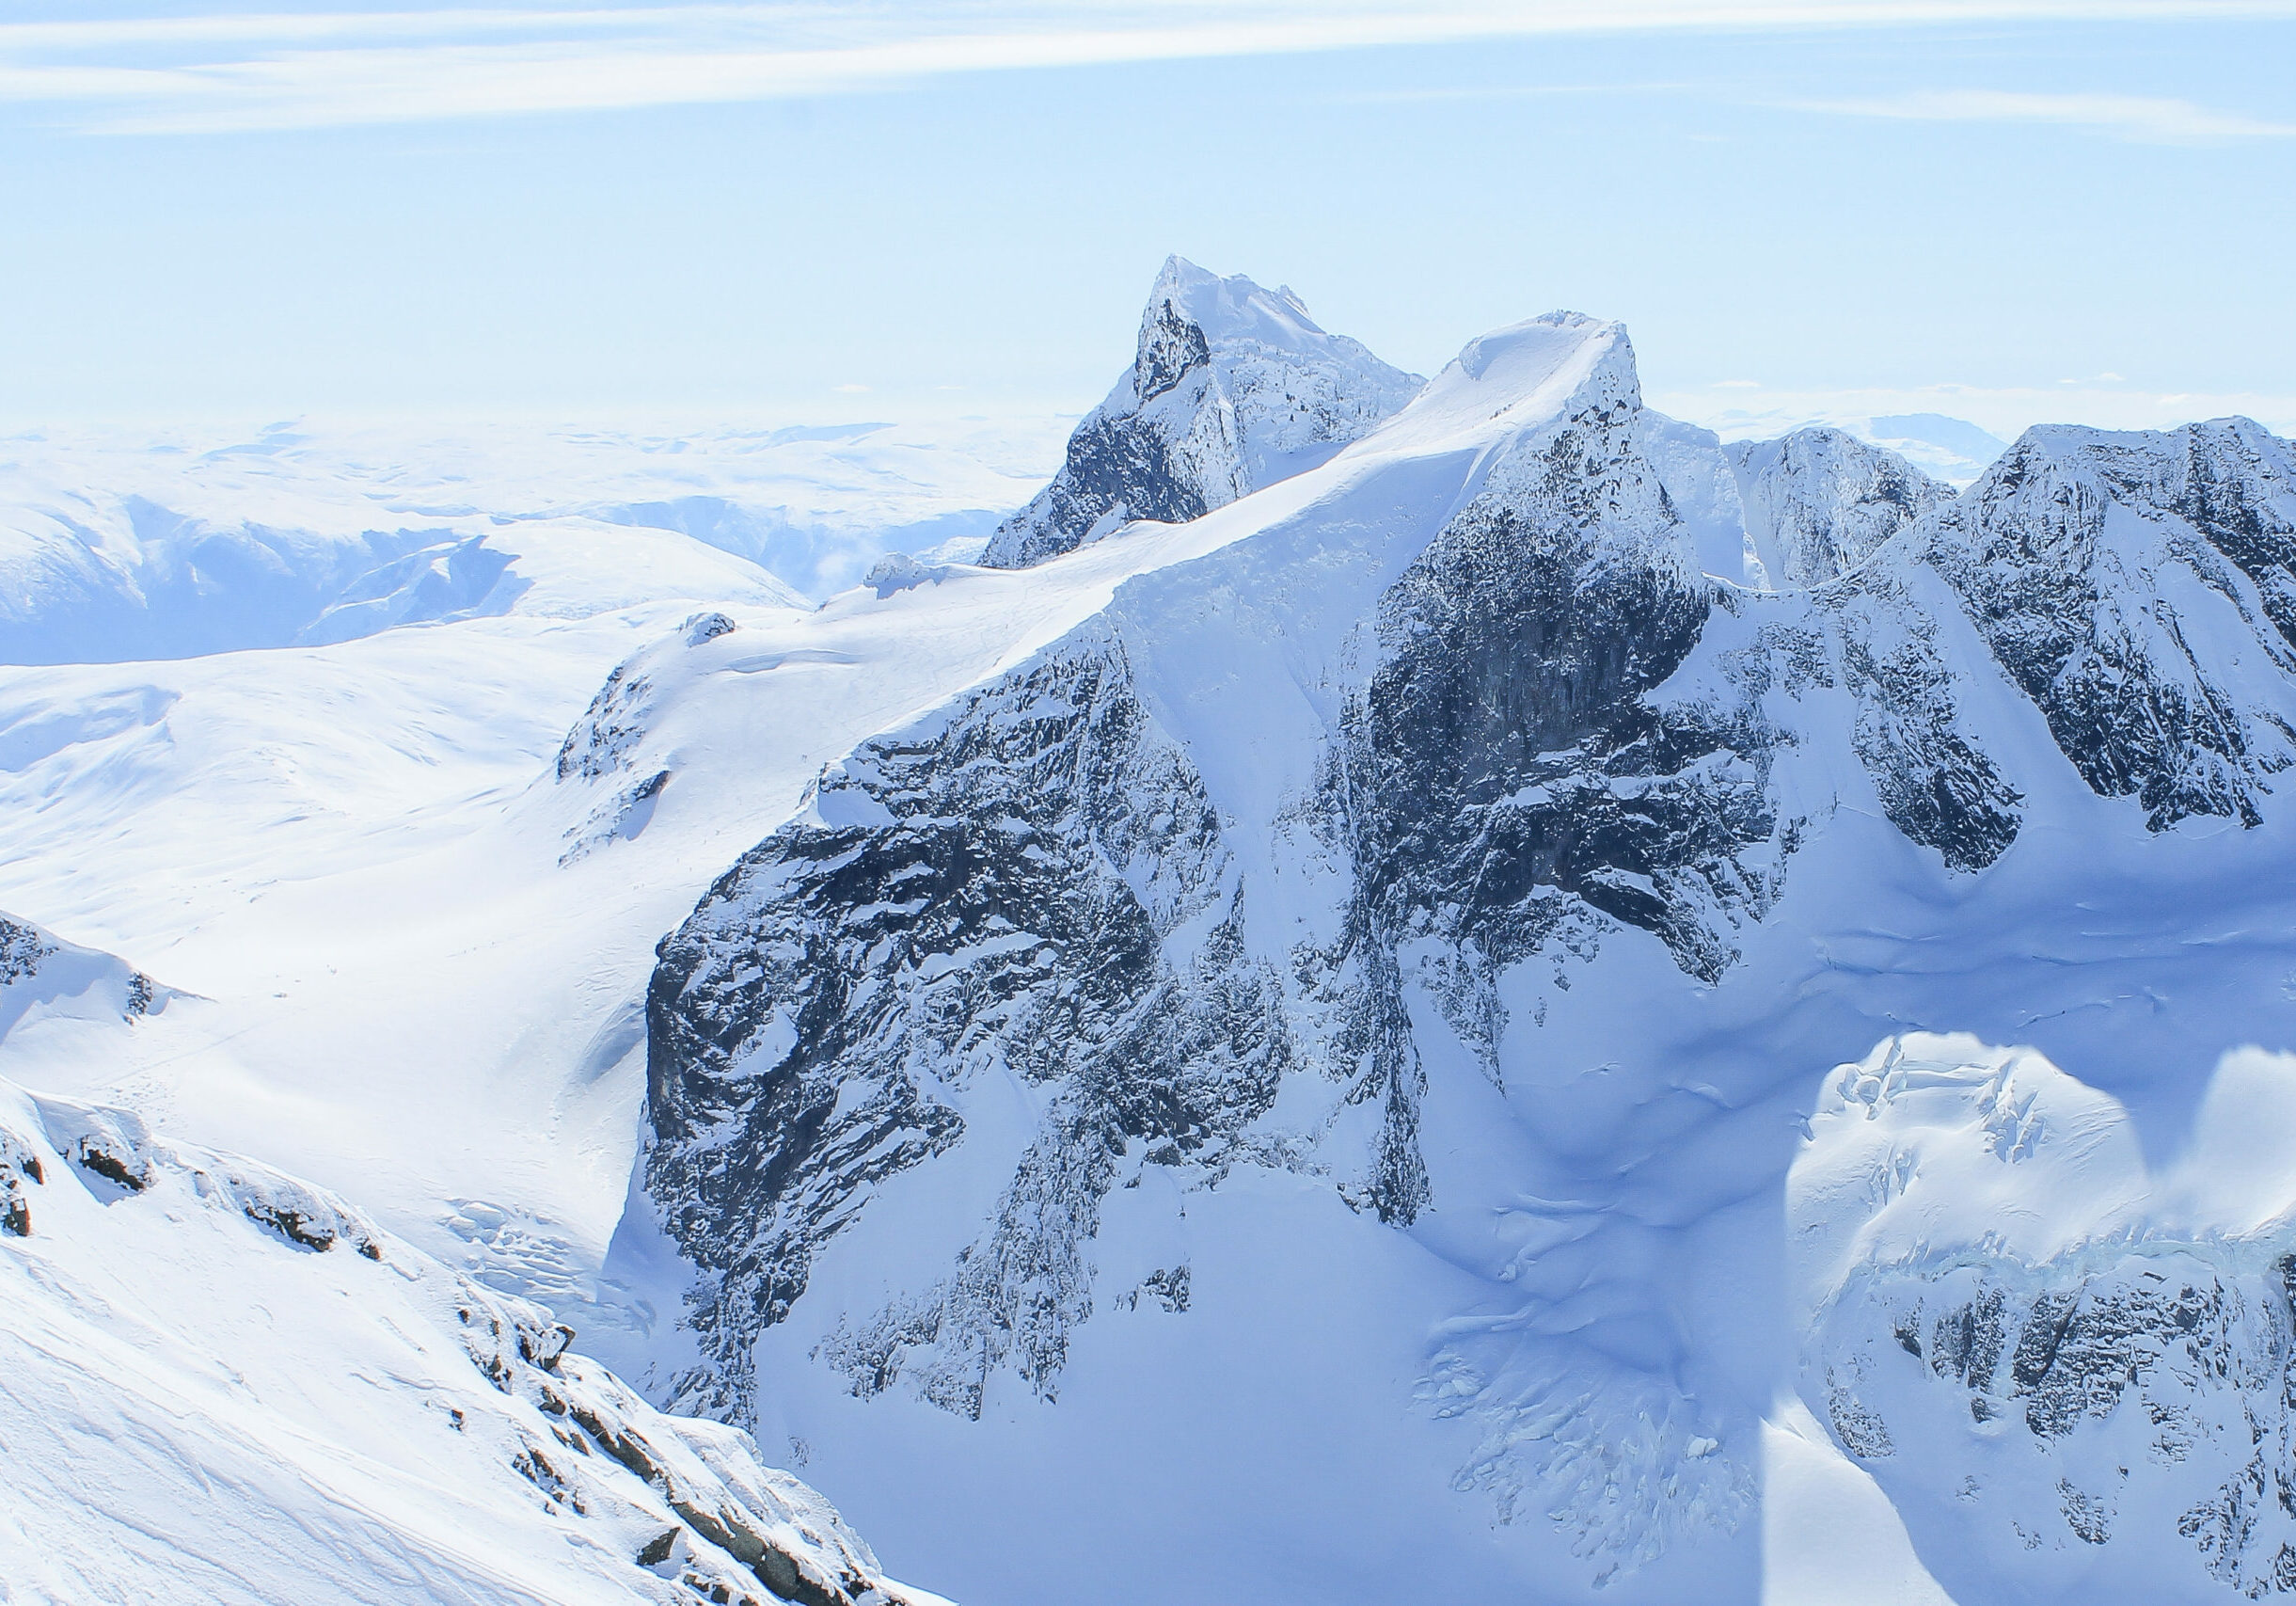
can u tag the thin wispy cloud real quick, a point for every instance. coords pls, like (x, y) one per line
(2140, 119)
(1439, 95)
(297, 70)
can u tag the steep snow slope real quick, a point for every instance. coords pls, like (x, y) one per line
(225, 1386)
(1233, 389)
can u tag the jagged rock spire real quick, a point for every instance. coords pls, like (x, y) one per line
(1234, 388)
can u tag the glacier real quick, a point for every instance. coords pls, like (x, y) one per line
(1353, 1011)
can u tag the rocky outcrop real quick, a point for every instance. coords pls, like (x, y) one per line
(42, 974)
(667, 1510)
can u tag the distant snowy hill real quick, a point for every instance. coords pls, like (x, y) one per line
(113, 550)
(1373, 1039)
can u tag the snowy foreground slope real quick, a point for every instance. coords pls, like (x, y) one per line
(1291, 1054)
(226, 1386)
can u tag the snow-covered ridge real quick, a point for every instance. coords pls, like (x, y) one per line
(227, 1385)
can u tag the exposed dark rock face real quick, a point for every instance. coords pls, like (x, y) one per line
(1507, 780)
(1171, 348)
(1936, 784)
(997, 891)
(1116, 468)
(614, 723)
(21, 951)
(20, 1163)
(1510, 748)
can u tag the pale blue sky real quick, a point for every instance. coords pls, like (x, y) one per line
(756, 211)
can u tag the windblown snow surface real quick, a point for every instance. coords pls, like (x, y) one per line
(1391, 1038)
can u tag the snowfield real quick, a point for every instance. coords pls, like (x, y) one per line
(1477, 1012)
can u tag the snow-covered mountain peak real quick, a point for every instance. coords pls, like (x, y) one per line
(2228, 474)
(2140, 589)
(1548, 333)
(1819, 502)
(1233, 388)
(1229, 310)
